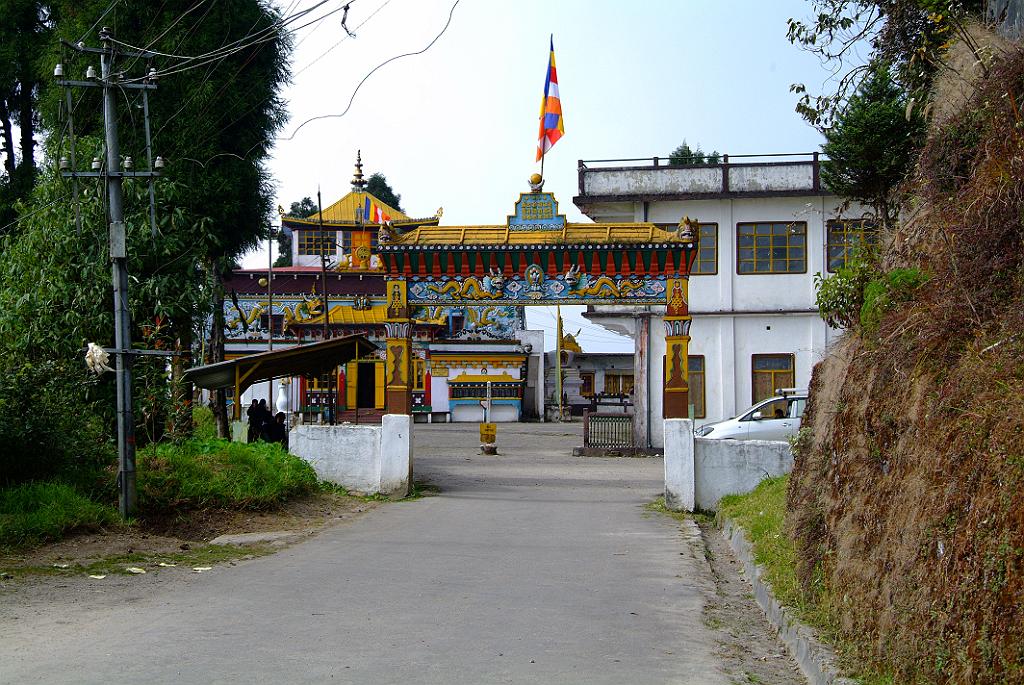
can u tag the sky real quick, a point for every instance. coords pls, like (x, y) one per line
(456, 127)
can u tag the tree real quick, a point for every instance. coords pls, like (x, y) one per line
(911, 35)
(302, 209)
(213, 119)
(377, 185)
(686, 156)
(25, 34)
(872, 145)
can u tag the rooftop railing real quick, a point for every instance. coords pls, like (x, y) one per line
(700, 176)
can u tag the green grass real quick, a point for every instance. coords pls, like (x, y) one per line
(204, 425)
(33, 513)
(761, 514)
(212, 472)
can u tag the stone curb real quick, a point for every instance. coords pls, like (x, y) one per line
(816, 660)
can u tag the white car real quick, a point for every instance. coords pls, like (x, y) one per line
(775, 418)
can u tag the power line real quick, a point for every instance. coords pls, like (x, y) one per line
(451, 13)
(93, 27)
(343, 38)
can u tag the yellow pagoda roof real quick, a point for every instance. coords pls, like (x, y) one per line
(346, 314)
(346, 212)
(570, 234)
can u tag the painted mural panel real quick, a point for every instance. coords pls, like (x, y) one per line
(535, 287)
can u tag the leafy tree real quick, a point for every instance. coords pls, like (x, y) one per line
(911, 35)
(301, 209)
(377, 185)
(304, 208)
(684, 155)
(872, 145)
(214, 120)
(55, 296)
(25, 35)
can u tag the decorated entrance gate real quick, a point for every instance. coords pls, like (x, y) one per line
(537, 258)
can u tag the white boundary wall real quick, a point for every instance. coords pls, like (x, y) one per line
(699, 471)
(362, 458)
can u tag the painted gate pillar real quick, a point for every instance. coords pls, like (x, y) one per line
(676, 400)
(398, 343)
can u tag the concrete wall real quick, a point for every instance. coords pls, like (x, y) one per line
(367, 459)
(730, 467)
(699, 472)
(697, 179)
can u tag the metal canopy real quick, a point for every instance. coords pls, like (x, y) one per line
(300, 360)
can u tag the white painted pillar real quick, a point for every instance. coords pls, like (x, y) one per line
(396, 455)
(641, 380)
(680, 481)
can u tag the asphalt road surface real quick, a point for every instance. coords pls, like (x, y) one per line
(528, 567)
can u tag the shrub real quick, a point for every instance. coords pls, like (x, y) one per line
(201, 473)
(50, 426)
(885, 292)
(32, 513)
(204, 423)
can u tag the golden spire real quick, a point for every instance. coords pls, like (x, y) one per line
(357, 179)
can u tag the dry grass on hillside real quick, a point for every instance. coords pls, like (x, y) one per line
(908, 492)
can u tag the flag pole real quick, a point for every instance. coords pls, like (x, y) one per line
(558, 360)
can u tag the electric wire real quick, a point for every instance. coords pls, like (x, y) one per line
(264, 35)
(451, 13)
(343, 38)
(97, 23)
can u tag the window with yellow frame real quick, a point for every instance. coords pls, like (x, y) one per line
(695, 379)
(844, 236)
(771, 372)
(706, 262)
(419, 375)
(618, 383)
(771, 247)
(315, 242)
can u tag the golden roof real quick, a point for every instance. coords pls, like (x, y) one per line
(571, 234)
(345, 211)
(346, 314)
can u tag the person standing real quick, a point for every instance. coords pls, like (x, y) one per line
(253, 414)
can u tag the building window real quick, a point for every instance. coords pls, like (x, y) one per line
(772, 372)
(706, 262)
(771, 248)
(345, 240)
(618, 383)
(419, 375)
(315, 243)
(587, 386)
(695, 372)
(845, 236)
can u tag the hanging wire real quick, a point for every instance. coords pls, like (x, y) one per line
(451, 13)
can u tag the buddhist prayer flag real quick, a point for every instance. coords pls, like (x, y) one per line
(373, 213)
(551, 125)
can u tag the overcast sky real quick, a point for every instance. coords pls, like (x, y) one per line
(456, 127)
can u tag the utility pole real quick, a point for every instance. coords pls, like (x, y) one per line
(119, 257)
(113, 175)
(331, 394)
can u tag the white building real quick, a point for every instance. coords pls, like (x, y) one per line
(767, 227)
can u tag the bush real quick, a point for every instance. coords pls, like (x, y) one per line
(50, 428)
(885, 292)
(204, 423)
(32, 513)
(201, 473)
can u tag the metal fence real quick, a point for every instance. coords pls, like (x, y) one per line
(609, 431)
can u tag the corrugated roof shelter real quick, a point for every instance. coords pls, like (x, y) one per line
(314, 358)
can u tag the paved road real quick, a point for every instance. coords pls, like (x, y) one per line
(529, 567)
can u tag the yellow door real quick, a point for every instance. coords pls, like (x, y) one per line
(378, 370)
(351, 384)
